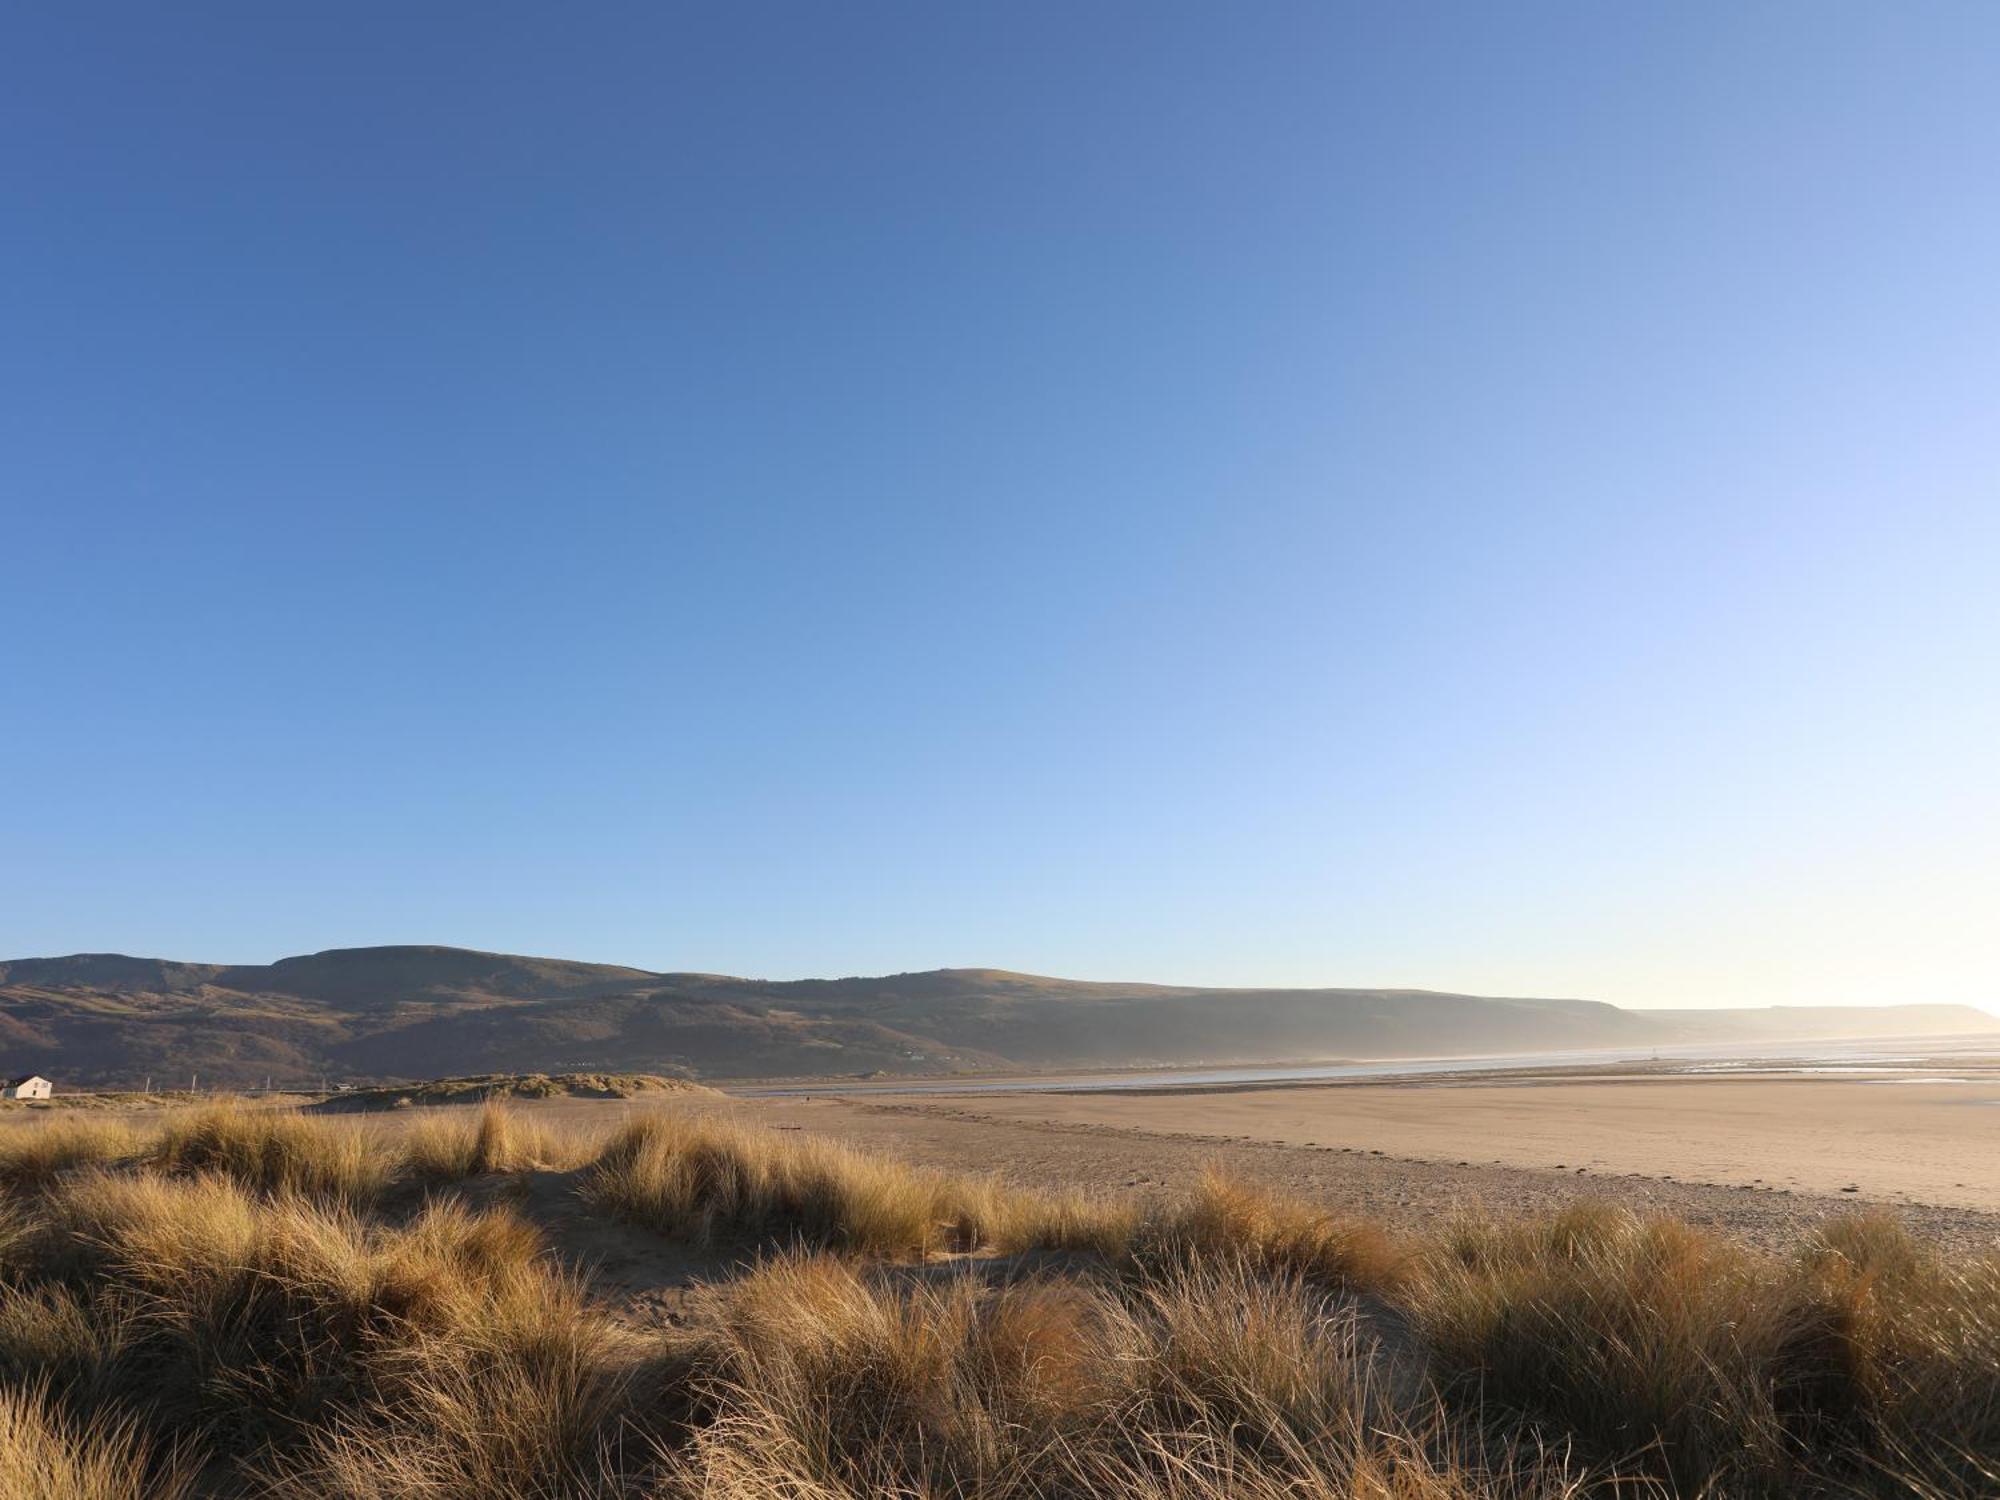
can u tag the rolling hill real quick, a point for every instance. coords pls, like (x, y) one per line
(108, 1020)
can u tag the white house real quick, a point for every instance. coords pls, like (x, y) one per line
(34, 1086)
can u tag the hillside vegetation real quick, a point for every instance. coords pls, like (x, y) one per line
(98, 1020)
(482, 1087)
(246, 1303)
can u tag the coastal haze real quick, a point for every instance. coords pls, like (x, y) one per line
(111, 1020)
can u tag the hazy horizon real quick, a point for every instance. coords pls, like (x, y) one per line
(1492, 500)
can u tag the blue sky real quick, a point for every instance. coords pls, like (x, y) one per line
(1482, 497)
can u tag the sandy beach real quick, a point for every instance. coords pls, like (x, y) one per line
(1765, 1157)
(1760, 1155)
(1935, 1143)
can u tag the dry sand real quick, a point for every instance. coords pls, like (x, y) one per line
(1477, 1149)
(1762, 1156)
(1408, 1155)
(1894, 1142)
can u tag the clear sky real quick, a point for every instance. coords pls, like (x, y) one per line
(1497, 497)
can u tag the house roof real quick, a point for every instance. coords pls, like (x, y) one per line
(14, 1083)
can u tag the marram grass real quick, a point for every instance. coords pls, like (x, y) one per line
(249, 1303)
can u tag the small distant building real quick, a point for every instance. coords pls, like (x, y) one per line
(32, 1086)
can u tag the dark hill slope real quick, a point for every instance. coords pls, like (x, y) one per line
(360, 978)
(406, 1012)
(112, 973)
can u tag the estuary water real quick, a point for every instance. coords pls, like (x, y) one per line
(1931, 1059)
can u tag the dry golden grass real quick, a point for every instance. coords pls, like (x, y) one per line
(34, 1153)
(705, 1179)
(46, 1455)
(816, 1379)
(273, 1151)
(452, 1147)
(1230, 1221)
(282, 1151)
(1672, 1350)
(285, 1332)
(314, 1312)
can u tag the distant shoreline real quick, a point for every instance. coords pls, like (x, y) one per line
(1741, 1059)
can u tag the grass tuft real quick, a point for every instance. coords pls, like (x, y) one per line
(1230, 1221)
(707, 1179)
(273, 1151)
(35, 1153)
(47, 1455)
(291, 1309)
(451, 1148)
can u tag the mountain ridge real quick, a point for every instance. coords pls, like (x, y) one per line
(418, 1010)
